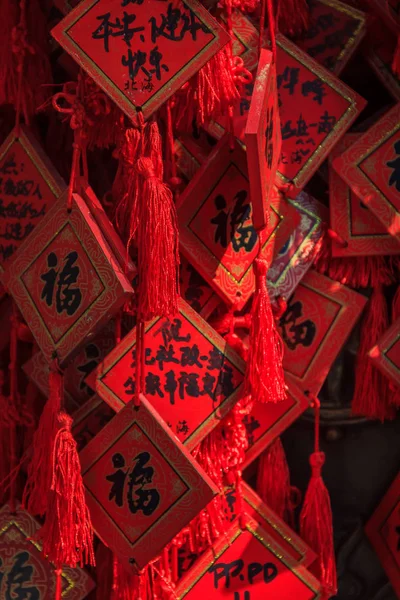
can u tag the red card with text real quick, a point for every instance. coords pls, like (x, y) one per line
(263, 139)
(29, 186)
(140, 53)
(89, 419)
(386, 353)
(319, 317)
(192, 377)
(351, 218)
(334, 33)
(316, 109)
(383, 530)
(24, 571)
(371, 167)
(247, 563)
(267, 421)
(65, 280)
(217, 234)
(142, 485)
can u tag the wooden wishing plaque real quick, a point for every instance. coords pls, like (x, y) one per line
(334, 33)
(319, 317)
(24, 571)
(371, 167)
(386, 354)
(263, 139)
(277, 529)
(192, 377)
(351, 218)
(316, 109)
(217, 234)
(267, 421)
(29, 186)
(383, 531)
(142, 485)
(76, 390)
(89, 419)
(65, 280)
(296, 255)
(246, 563)
(140, 53)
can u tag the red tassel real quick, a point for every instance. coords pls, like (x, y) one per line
(264, 374)
(40, 468)
(396, 58)
(371, 393)
(292, 16)
(316, 518)
(273, 481)
(8, 74)
(157, 241)
(67, 534)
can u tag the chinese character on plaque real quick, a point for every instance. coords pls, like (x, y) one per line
(142, 485)
(316, 109)
(24, 571)
(371, 167)
(191, 376)
(140, 53)
(319, 317)
(383, 531)
(351, 218)
(248, 564)
(267, 421)
(263, 139)
(386, 353)
(29, 186)
(335, 33)
(65, 280)
(216, 229)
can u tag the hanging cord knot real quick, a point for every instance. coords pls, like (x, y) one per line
(317, 461)
(146, 168)
(68, 103)
(261, 269)
(241, 75)
(279, 308)
(65, 422)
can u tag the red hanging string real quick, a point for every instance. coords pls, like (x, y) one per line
(14, 399)
(271, 27)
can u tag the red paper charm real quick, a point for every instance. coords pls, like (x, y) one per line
(192, 377)
(363, 233)
(386, 354)
(383, 532)
(142, 485)
(25, 571)
(334, 34)
(371, 167)
(216, 230)
(263, 139)
(318, 319)
(66, 281)
(316, 109)
(268, 420)
(248, 562)
(29, 186)
(134, 52)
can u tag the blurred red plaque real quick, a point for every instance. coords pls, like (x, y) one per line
(142, 485)
(140, 53)
(192, 377)
(386, 354)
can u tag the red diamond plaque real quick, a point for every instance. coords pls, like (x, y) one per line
(66, 280)
(216, 229)
(248, 563)
(140, 53)
(29, 186)
(386, 354)
(263, 138)
(383, 531)
(371, 167)
(24, 571)
(319, 317)
(142, 485)
(267, 421)
(351, 219)
(192, 378)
